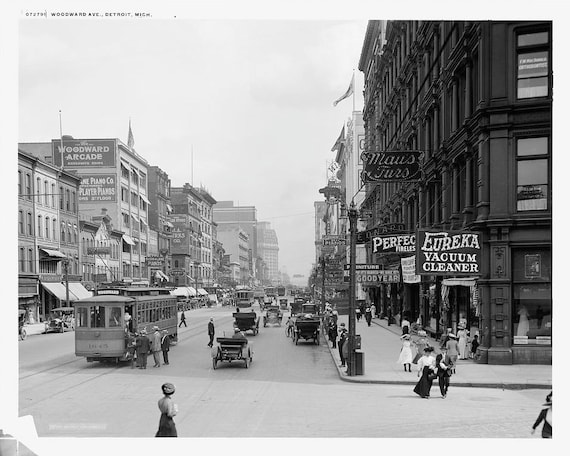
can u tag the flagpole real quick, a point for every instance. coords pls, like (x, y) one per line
(61, 138)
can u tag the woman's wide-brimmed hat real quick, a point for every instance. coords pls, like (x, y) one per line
(548, 400)
(428, 349)
(168, 388)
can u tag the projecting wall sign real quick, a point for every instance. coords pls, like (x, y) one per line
(391, 166)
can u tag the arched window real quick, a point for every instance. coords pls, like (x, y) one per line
(47, 227)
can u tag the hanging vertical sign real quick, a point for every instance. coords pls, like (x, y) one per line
(448, 253)
(409, 270)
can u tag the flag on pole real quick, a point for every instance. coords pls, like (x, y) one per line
(348, 92)
(131, 139)
(339, 140)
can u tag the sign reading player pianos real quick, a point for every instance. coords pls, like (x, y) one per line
(82, 153)
(448, 253)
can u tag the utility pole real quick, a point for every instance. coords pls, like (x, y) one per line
(66, 272)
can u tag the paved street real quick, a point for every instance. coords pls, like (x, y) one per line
(288, 391)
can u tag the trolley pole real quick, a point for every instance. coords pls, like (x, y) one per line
(351, 361)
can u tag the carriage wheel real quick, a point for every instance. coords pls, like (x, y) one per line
(23, 334)
(214, 362)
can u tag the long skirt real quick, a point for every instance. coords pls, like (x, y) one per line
(423, 386)
(166, 427)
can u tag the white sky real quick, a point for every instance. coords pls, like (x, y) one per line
(251, 98)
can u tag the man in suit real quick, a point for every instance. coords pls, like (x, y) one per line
(165, 345)
(142, 348)
(444, 365)
(341, 341)
(211, 332)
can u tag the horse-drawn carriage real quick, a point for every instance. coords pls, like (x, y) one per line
(307, 327)
(246, 321)
(232, 349)
(273, 316)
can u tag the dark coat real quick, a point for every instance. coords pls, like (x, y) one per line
(143, 344)
(165, 343)
(447, 361)
(211, 330)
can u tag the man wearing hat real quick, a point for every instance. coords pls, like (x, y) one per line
(142, 347)
(211, 332)
(165, 345)
(156, 346)
(444, 367)
(343, 336)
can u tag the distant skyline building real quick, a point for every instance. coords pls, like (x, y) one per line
(268, 249)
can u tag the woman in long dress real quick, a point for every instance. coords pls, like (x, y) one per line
(426, 367)
(168, 409)
(406, 355)
(462, 343)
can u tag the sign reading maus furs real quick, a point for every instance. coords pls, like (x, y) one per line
(448, 253)
(81, 153)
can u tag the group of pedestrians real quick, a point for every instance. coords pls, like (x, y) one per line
(139, 346)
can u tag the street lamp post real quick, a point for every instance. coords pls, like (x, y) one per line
(323, 289)
(351, 361)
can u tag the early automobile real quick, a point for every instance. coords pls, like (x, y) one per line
(273, 316)
(296, 305)
(232, 349)
(307, 327)
(246, 321)
(62, 320)
(283, 303)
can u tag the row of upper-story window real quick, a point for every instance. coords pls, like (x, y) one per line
(46, 228)
(132, 221)
(136, 177)
(45, 193)
(87, 242)
(531, 79)
(134, 199)
(532, 188)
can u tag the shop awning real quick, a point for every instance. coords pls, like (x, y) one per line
(145, 199)
(53, 253)
(202, 292)
(464, 282)
(169, 207)
(135, 217)
(183, 291)
(128, 239)
(143, 221)
(158, 274)
(79, 290)
(168, 224)
(58, 290)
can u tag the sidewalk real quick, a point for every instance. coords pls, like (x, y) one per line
(381, 346)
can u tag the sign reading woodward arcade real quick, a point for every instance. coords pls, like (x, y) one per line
(448, 253)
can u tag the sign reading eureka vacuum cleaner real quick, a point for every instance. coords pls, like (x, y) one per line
(448, 253)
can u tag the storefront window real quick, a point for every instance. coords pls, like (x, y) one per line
(532, 297)
(81, 317)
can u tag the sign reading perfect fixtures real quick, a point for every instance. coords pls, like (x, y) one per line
(391, 166)
(448, 253)
(394, 243)
(84, 153)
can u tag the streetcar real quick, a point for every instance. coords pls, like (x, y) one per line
(281, 291)
(101, 329)
(244, 298)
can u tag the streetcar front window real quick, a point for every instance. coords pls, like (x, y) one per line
(97, 317)
(81, 317)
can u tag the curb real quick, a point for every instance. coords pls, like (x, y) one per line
(504, 386)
